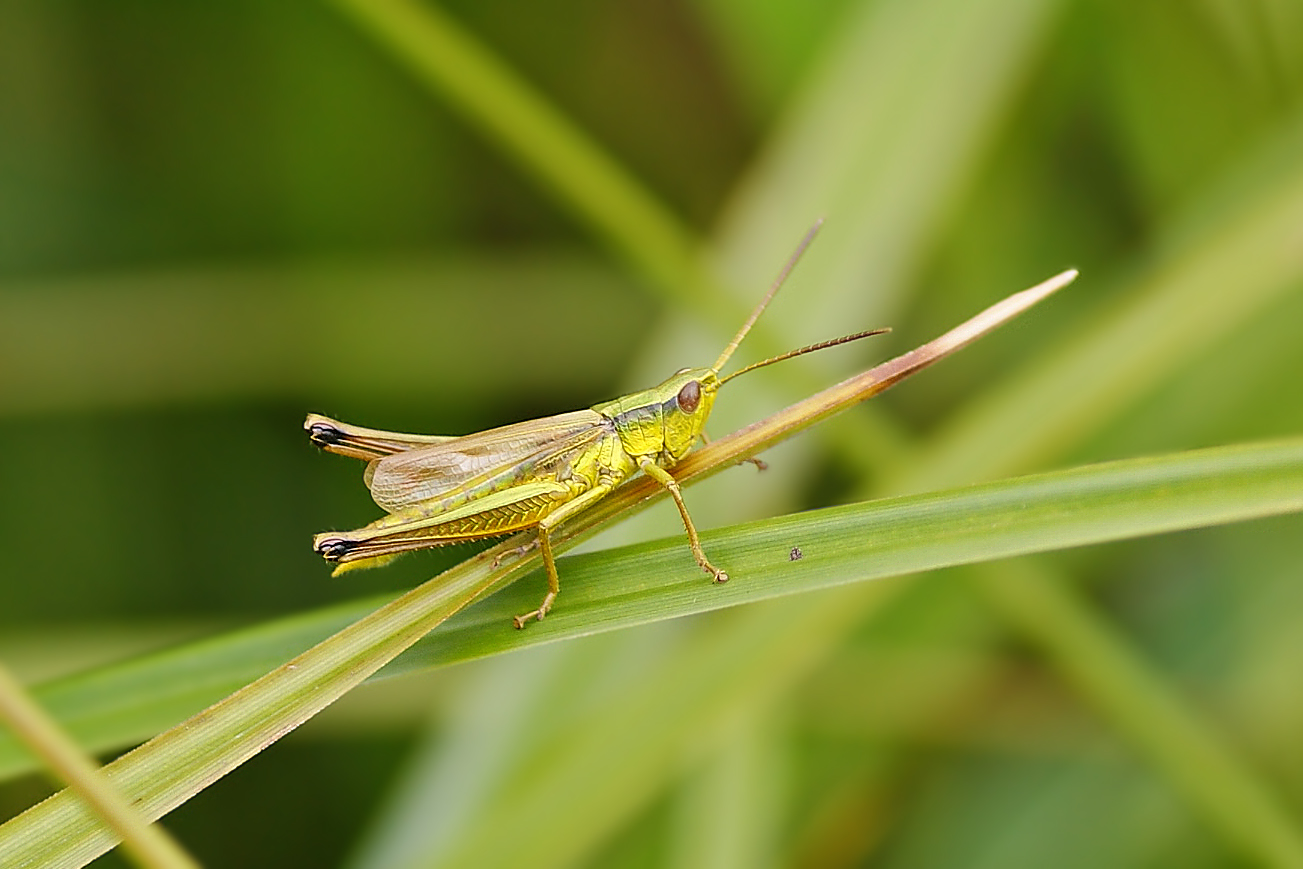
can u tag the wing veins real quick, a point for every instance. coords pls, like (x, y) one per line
(490, 458)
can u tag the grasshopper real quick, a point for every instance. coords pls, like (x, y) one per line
(439, 490)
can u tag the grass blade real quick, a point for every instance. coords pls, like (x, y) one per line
(840, 545)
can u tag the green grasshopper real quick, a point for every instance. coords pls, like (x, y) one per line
(440, 490)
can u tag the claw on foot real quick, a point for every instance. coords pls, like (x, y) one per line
(536, 615)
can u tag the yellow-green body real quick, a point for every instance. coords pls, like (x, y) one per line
(442, 490)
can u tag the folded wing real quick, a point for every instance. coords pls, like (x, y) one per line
(474, 465)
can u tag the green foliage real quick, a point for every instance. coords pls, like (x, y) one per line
(441, 219)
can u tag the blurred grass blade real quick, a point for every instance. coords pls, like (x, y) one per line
(728, 814)
(148, 844)
(138, 338)
(882, 139)
(1153, 716)
(534, 133)
(1226, 263)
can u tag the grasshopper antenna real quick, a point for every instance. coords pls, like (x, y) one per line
(764, 303)
(801, 351)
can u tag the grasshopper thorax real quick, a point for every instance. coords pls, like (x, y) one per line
(666, 420)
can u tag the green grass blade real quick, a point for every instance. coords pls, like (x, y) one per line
(893, 537)
(129, 701)
(841, 545)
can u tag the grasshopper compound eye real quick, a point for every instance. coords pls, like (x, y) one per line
(689, 396)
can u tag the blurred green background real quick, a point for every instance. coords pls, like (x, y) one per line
(215, 218)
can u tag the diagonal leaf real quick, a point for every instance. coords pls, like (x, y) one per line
(840, 545)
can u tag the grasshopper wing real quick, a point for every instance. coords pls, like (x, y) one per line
(473, 466)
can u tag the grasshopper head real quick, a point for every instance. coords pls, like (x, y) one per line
(690, 395)
(667, 419)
